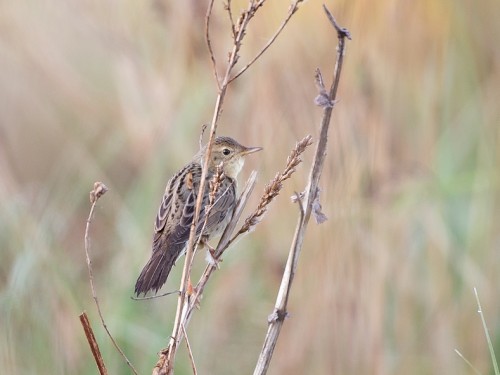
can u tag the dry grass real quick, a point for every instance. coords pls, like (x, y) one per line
(117, 92)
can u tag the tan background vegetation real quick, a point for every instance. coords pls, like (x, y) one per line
(117, 91)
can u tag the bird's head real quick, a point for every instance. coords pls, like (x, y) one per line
(230, 154)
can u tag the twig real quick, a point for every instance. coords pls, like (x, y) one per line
(222, 245)
(99, 190)
(209, 43)
(190, 352)
(214, 187)
(202, 132)
(231, 19)
(94, 347)
(238, 210)
(279, 314)
(291, 11)
(155, 296)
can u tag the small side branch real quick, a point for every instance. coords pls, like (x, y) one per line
(291, 11)
(231, 19)
(279, 314)
(190, 352)
(209, 42)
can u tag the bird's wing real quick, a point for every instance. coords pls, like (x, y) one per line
(165, 208)
(168, 224)
(222, 206)
(176, 211)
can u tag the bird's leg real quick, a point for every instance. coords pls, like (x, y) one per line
(189, 288)
(211, 258)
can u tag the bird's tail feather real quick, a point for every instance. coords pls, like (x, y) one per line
(155, 272)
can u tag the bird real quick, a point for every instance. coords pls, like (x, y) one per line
(176, 212)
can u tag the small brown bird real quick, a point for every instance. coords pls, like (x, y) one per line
(176, 212)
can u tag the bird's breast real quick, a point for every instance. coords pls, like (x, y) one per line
(234, 168)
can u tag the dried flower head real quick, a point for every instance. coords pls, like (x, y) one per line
(99, 190)
(272, 189)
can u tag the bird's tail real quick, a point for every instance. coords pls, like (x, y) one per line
(155, 272)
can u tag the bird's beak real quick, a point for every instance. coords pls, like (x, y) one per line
(251, 150)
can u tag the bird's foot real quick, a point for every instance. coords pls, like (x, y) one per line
(211, 258)
(190, 292)
(189, 288)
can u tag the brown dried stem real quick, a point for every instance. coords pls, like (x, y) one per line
(279, 314)
(190, 352)
(94, 347)
(99, 190)
(214, 187)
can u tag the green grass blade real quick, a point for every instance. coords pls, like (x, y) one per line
(490, 345)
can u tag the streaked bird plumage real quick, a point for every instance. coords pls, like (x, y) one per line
(176, 212)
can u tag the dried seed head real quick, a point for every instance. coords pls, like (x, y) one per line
(99, 190)
(272, 189)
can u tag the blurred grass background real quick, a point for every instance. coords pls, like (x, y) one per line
(117, 92)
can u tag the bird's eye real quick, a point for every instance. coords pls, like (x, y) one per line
(226, 151)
